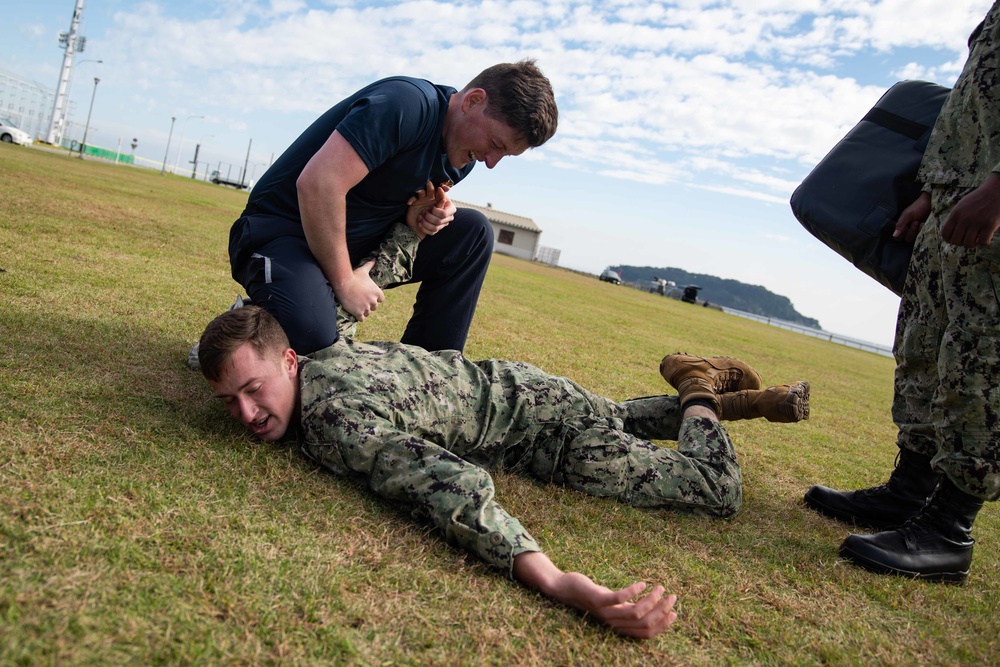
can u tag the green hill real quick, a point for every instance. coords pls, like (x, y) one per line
(753, 299)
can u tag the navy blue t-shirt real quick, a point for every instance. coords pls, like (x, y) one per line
(395, 126)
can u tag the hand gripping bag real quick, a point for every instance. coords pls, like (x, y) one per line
(851, 200)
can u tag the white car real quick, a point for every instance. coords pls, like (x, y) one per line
(11, 134)
(611, 276)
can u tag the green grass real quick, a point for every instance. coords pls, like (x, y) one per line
(139, 526)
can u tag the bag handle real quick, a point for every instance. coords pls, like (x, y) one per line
(896, 123)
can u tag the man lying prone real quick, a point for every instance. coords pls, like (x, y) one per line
(424, 428)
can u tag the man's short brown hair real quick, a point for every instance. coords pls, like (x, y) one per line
(230, 330)
(521, 97)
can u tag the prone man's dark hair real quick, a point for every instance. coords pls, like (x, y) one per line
(521, 97)
(230, 330)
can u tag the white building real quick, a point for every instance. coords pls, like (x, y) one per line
(25, 103)
(513, 234)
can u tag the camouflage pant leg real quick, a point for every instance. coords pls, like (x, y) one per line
(394, 260)
(918, 326)
(586, 445)
(653, 417)
(701, 477)
(948, 356)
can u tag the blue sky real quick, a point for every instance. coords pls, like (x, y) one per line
(684, 126)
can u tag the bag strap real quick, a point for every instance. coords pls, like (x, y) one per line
(896, 123)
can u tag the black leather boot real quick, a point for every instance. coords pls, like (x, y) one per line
(936, 544)
(886, 505)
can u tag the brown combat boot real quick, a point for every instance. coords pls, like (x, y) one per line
(707, 377)
(787, 403)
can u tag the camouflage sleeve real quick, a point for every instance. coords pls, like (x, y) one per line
(394, 257)
(964, 147)
(456, 496)
(394, 260)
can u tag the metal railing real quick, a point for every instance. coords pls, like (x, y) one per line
(675, 293)
(815, 333)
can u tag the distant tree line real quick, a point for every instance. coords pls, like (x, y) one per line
(722, 291)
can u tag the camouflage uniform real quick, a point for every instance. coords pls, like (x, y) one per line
(422, 428)
(394, 260)
(947, 347)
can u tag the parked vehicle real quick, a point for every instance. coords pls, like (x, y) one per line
(690, 294)
(611, 276)
(11, 134)
(219, 180)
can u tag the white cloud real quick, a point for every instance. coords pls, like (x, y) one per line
(644, 88)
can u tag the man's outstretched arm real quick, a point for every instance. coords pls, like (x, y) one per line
(354, 434)
(644, 618)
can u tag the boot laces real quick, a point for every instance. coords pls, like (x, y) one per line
(919, 523)
(921, 526)
(927, 520)
(880, 490)
(727, 378)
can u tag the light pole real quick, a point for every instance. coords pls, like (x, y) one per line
(194, 162)
(86, 129)
(73, 43)
(177, 158)
(164, 167)
(253, 172)
(65, 123)
(243, 175)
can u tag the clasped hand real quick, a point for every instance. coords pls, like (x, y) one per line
(430, 210)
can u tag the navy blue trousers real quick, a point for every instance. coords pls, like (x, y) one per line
(271, 259)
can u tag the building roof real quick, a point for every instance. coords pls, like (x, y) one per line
(502, 218)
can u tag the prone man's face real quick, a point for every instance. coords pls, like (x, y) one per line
(262, 393)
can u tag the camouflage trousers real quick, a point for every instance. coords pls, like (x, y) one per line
(555, 430)
(947, 400)
(394, 260)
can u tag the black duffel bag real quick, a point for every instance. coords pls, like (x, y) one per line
(851, 200)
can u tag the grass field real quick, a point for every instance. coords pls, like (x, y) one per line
(139, 526)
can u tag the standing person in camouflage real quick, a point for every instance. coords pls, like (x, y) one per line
(423, 428)
(947, 348)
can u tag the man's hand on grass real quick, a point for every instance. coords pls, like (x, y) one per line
(624, 612)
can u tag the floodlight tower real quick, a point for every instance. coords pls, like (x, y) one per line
(74, 43)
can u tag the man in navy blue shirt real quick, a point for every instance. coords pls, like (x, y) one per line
(332, 197)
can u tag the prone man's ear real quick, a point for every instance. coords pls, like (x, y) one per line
(290, 361)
